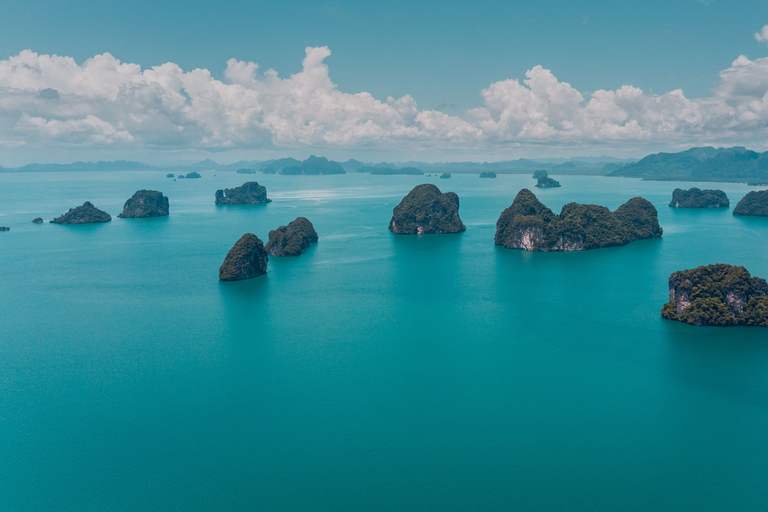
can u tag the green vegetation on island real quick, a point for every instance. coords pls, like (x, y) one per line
(245, 260)
(538, 174)
(191, 176)
(426, 210)
(290, 240)
(529, 225)
(445, 176)
(488, 174)
(247, 193)
(697, 198)
(547, 182)
(169, 175)
(83, 214)
(717, 295)
(144, 204)
(754, 203)
(314, 166)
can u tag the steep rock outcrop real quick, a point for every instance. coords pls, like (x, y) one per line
(83, 214)
(538, 174)
(290, 240)
(754, 203)
(547, 182)
(717, 295)
(529, 225)
(697, 198)
(144, 204)
(37, 220)
(426, 210)
(247, 193)
(245, 260)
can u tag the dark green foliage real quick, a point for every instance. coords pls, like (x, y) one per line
(245, 260)
(488, 174)
(445, 176)
(547, 182)
(387, 171)
(426, 210)
(191, 175)
(247, 193)
(754, 203)
(718, 295)
(538, 174)
(528, 224)
(697, 198)
(145, 203)
(290, 240)
(84, 214)
(314, 165)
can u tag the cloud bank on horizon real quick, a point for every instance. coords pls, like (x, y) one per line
(105, 103)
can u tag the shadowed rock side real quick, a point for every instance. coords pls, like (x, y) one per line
(529, 225)
(488, 174)
(37, 220)
(697, 198)
(247, 193)
(718, 295)
(245, 260)
(547, 182)
(290, 240)
(84, 214)
(754, 203)
(538, 174)
(426, 210)
(4, 228)
(144, 204)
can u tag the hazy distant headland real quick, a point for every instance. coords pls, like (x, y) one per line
(735, 164)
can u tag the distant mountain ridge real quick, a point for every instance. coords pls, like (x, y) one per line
(700, 164)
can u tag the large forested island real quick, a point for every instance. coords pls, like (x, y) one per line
(145, 204)
(290, 240)
(754, 203)
(313, 165)
(718, 295)
(700, 164)
(426, 210)
(528, 224)
(247, 193)
(245, 260)
(83, 214)
(697, 198)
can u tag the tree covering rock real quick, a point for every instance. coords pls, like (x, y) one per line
(529, 225)
(314, 166)
(487, 174)
(193, 175)
(245, 260)
(290, 240)
(84, 214)
(538, 174)
(718, 295)
(37, 220)
(247, 193)
(445, 176)
(144, 204)
(426, 210)
(697, 198)
(547, 182)
(754, 203)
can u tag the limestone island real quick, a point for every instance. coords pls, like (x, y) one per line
(697, 198)
(538, 174)
(144, 204)
(37, 220)
(247, 193)
(717, 295)
(4, 228)
(529, 225)
(169, 175)
(445, 176)
(547, 182)
(488, 174)
(290, 240)
(754, 203)
(425, 211)
(192, 175)
(84, 214)
(245, 260)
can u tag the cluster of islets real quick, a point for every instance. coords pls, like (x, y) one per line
(720, 294)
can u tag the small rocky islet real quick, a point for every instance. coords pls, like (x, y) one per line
(547, 182)
(529, 225)
(4, 228)
(290, 240)
(717, 295)
(245, 260)
(37, 220)
(145, 204)
(697, 198)
(86, 213)
(426, 210)
(445, 176)
(247, 193)
(755, 203)
(488, 174)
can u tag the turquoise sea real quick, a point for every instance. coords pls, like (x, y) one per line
(374, 372)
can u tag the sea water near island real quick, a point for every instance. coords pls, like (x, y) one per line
(373, 372)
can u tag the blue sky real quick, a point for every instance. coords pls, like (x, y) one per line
(440, 54)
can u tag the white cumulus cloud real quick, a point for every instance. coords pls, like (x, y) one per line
(762, 36)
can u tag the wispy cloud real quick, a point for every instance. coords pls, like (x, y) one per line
(762, 36)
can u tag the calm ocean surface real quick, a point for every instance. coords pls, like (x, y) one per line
(374, 372)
